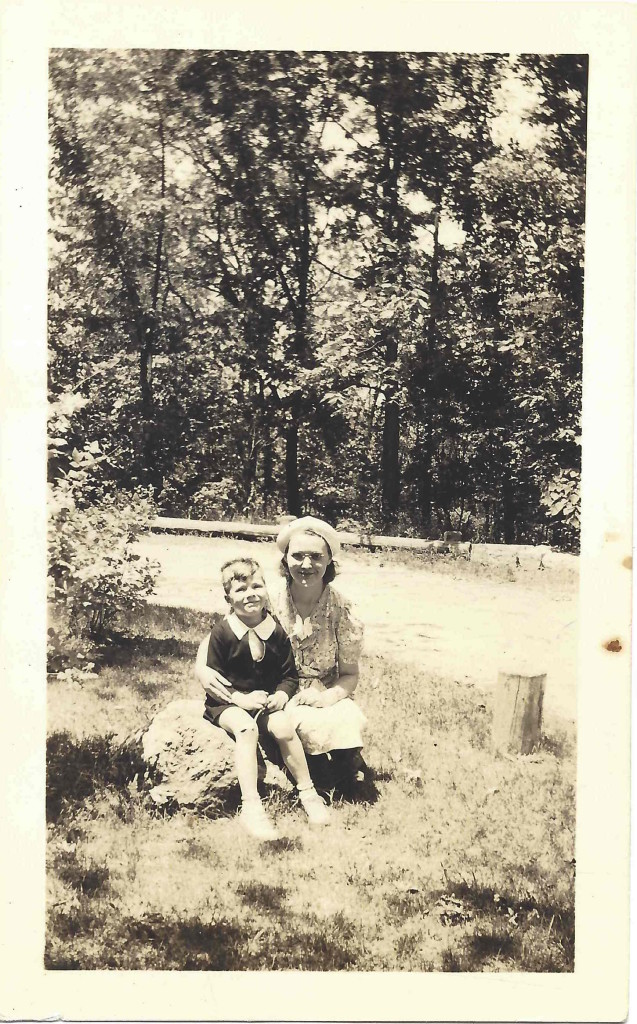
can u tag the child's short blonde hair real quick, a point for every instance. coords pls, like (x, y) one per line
(238, 569)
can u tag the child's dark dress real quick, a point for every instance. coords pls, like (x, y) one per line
(229, 654)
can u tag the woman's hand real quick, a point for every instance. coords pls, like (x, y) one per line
(216, 686)
(311, 697)
(276, 701)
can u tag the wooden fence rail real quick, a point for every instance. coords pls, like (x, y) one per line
(251, 530)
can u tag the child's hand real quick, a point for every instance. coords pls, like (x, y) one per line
(254, 701)
(276, 701)
(313, 698)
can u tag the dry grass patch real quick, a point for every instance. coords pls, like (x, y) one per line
(463, 862)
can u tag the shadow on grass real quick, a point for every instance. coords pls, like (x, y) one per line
(80, 769)
(125, 649)
(77, 769)
(89, 878)
(152, 942)
(325, 776)
(263, 897)
(284, 844)
(364, 792)
(494, 946)
(158, 943)
(533, 935)
(155, 632)
(559, 744)
(381, 776)
(154, 620)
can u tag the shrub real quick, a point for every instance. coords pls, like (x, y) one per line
(94, 573)
(93, 570)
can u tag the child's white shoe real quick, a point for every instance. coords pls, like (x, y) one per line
(317, 811)
(254, 820)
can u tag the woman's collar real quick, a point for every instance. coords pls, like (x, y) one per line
(264, 629)
(318, 604)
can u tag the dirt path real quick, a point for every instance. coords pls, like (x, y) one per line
(464, 627)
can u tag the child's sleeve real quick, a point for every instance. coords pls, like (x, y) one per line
(217, 650)
(289, 675)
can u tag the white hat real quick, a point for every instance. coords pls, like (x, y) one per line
(312, 525)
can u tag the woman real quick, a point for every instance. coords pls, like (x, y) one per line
(326, 641)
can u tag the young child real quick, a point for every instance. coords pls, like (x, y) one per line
(251, 650)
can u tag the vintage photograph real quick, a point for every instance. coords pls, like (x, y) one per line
(314, 449)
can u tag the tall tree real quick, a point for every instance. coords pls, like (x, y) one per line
(324, 281)
(263, 149)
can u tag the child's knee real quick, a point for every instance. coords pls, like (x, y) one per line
(280, 727)
(241, 726)
(247, 730)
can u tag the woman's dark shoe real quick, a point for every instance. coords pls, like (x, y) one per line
(321, 772)
(349, 764)
(354, 778)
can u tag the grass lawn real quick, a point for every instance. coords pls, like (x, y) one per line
(462, 862)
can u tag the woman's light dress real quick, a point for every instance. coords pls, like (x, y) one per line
(331, 633)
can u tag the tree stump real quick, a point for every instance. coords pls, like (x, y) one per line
(517, 717)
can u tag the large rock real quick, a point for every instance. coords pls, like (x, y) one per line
(191, 762)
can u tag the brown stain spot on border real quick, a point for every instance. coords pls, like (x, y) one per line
(611, 536)
(628, 562)
(614, 646)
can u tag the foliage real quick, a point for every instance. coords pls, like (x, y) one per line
(562, 498)
(342, 283)
(94, 570)
(94, 573)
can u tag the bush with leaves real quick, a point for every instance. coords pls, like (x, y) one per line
(94, 572)
(561, 505)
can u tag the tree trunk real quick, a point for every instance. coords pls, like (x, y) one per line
(255, 442)
(389, 125)
(507, 505)
(429, 364)
(293, 498)
(149, 343)
(146, 370)
(267, 468)
(250, 476)
(434, 291)
(390, 464)
(425, 474)
(303, 353)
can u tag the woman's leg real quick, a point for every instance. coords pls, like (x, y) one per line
(243, 729)
(321, 771)
(337, 727)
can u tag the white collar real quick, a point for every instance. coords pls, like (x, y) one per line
(264, 629)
